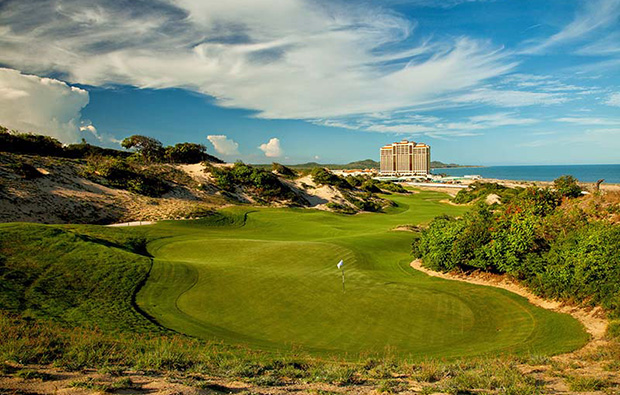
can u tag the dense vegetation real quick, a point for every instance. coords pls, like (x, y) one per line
(480, 190)
(360, 164)
(284, 171)
(368, 184)
(322, 176)
(146, 148)
(559, 246)
(365, 201)
(266, 185)
(125, 174)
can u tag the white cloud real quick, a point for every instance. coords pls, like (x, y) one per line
(272, 148)
(596, 15)
(590, 121)
(613, 100)
(404, 128)
(298, 60)
(511, 98)
(223, 145)
(41, 105)
(102, 138)
(440, 128)
(502, 119)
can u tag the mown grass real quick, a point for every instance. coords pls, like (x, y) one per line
(81, 275)
(266, 279)
(260, 292)
(271, 283)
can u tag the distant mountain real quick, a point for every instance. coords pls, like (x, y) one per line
(435, 164)
(360, 164)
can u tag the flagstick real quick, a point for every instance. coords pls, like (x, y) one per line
(343, 291)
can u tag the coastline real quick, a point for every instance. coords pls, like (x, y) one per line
(587, 186)
(585, 174)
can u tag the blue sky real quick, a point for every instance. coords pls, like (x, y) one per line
(482, 81)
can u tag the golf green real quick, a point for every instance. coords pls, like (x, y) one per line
(267, 278)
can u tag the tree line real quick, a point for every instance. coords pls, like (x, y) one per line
(147, 149)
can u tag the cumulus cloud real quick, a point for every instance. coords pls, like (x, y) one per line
(90, 133)
(613, 100)
(299, 60)
(223, 145)
(272, 148)
(41, 105)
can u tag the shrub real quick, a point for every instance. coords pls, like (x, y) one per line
(557, 252)
(84, 150)
(391, 186)
(186, 153)
(371, 186)
(567, 186)
(323, 176)
(283, 170)
(265, 184)
(26, 143)
(119, 173)
(148, 148)
(480, 190)
(341, 208)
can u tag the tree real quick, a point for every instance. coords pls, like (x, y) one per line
(186, 153)
(567, 186)
(148, 148)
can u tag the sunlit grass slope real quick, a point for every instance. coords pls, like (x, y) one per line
(77, 275)
(268, 278)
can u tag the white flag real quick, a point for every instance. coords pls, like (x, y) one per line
(340, 264)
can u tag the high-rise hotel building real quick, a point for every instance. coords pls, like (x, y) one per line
(406, 158)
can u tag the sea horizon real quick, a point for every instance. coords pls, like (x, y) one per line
(584, 173)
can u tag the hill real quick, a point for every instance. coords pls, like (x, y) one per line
(360, 164)
(435, 164)
(52, 183)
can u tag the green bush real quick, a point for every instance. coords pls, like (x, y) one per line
(341, 208)
(283, 170)
(85, 150)
(26, 143)
(567, 186)
(557, 252)
(391, 186)
(371, 186)
(119, 173)
(363, 202)
(264, 183)
(322, 176)
(480, 190)
(188, 153)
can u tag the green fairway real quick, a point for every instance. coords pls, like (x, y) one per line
(267, 278)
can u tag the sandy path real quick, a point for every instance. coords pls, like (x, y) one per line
(592, 320)
(134, 223)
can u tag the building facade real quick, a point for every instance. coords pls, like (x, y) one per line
(406, 158)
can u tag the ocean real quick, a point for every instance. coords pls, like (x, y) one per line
(584, 173)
